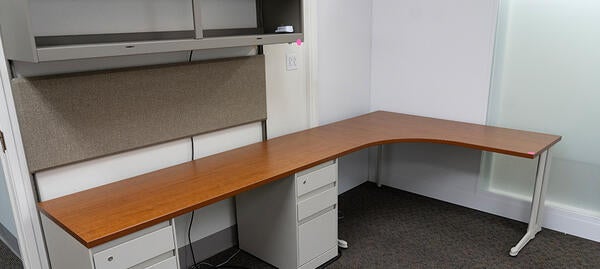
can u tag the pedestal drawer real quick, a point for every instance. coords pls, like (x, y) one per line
(170, 263)
(316, 179)
(317, 236)
(317, 203)
(136, 250)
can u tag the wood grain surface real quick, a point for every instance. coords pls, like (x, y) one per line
(108, 212)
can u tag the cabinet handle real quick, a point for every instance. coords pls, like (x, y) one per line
(110, 259)
(304, 182)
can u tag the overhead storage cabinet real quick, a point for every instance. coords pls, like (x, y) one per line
(52, 30)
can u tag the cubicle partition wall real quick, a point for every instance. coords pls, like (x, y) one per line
(71, 118)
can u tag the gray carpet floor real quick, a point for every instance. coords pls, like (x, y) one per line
(8, 260)
(389, 228)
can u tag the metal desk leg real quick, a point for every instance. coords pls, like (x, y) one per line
(537, 203)
(378, 171)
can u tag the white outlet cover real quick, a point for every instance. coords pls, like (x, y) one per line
(291, 61)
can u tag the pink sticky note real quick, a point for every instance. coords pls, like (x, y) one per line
(531, 153)
(299, 42)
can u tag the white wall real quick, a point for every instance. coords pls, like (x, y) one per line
(344, 68)
(344, 49)
(433, 58)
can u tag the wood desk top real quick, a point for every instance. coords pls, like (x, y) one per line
(104, 213)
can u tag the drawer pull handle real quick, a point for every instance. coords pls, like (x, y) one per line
(304, 182)
(110, 259)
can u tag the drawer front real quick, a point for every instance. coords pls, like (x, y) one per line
(316, 179)
(317, 237)
(317, 203)
(136, 250)
(170, 263)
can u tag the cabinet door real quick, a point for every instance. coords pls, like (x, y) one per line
(317, 236)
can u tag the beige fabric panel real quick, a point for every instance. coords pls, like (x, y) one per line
(71, 118)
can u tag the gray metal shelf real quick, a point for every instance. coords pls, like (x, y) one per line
(70, 52)
(21, 44)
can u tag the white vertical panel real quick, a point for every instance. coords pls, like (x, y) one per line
(63, 250)
(287, 94)
(73, 178)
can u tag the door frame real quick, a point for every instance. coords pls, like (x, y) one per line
(18, 179)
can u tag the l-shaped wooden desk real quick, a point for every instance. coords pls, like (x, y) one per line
(106, 213)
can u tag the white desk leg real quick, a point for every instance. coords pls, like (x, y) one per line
(378, 170)
(537, 203)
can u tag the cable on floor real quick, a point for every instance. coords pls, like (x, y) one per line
(224, 264)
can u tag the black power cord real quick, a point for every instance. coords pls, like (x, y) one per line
(190, 241)
(189, 234)
(225, 263)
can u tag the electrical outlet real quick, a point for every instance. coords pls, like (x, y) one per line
(291, 61)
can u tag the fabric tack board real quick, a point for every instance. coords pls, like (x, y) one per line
(71, 118)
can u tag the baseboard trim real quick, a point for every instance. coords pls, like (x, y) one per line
(9, 240)
(208, 246)
(555, 217)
